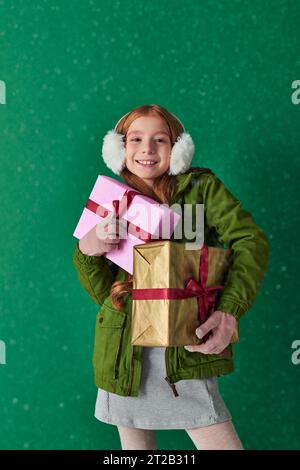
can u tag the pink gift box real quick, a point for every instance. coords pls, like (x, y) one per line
(145, 216)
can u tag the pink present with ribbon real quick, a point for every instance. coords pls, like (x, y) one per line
(146, 219)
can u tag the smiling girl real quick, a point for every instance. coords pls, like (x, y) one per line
(151, 151)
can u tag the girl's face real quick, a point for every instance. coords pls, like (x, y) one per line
(148, 148)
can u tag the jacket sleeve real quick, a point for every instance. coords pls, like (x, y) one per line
(94, 274)
(237, 228)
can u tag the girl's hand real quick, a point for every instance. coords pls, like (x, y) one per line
(222, 326)
(104, 237)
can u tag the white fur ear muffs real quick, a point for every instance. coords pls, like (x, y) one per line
(182, 154)
(113, 152)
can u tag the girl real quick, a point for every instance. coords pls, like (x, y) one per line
(136, 385)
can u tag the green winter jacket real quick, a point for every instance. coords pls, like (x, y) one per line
(117, 364)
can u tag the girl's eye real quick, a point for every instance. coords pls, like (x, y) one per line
(137, 138)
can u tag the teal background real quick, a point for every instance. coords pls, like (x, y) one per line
(72, 69)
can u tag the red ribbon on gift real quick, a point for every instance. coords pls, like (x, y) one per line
(120, 206)
(206, 296)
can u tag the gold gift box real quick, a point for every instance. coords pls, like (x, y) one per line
(168, 265)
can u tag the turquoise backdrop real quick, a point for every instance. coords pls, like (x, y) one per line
(69, 71)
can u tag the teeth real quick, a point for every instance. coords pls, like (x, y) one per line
(146, 162)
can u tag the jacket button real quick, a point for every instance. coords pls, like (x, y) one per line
(100, 319)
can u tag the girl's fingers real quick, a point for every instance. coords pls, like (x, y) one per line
(112, 228)
(117, 230)
(111, 246)
(103, 229)
(112, 241)
(118, 223)
(113, 234)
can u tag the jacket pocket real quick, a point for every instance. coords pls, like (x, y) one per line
(108, 338)
(188, 359)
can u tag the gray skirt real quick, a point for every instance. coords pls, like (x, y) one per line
(199, 402)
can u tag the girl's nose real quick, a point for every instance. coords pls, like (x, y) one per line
(148, 148)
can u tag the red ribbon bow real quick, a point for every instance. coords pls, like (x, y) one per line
(120, 206)
(206, 296)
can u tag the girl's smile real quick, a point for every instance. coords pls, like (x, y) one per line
(147, 162)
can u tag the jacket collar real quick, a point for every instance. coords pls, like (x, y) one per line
(182, 182)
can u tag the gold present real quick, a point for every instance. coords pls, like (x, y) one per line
(174, 291)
